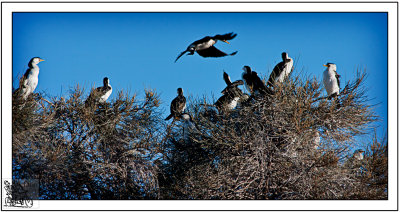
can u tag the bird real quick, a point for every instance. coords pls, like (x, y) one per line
(331, 80)
(282, 70)
(253, 83)
(228, 101)
(178, 105)
(231, 94)
(229, 84)
(316, 140)
(205, 46)
(358, 154)
(100, 94)
(30, 80)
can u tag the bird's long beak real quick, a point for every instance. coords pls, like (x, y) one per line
(325, 65)
(40, 60)
(226, 41)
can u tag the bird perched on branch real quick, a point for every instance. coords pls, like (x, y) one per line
(253, 83)
(29, 81)
(331, 80)
(231, 94)
(178, 105)
(282, 70)
(205, 46)
(100, 94)
(358, 154)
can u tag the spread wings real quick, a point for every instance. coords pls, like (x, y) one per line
(211, 52)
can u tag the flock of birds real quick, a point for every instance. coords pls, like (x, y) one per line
(230, 95)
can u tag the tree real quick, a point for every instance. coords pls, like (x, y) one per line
(77, 152)
(266, 148)
(292, 144)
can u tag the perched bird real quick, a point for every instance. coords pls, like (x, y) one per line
(316, 140)
(282, 70)
(205, 46)
(231, 94)
(331, 80)
(253, 83)
(178, 105)
(100, 94)
(229, 84)
(228, 101)
(30, 79)
(358, 154)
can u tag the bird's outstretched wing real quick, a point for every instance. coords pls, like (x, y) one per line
(232, 86)
(227, 79)
(237, 83)
(213, 52)
(182, 53)
(227, 36)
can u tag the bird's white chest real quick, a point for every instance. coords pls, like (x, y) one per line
(233, 103)
(330, 82)
(358, 156)
(105, 96)
(33, 78)
(286, 71)
(205, 45)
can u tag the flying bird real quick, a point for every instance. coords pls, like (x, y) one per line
(178, 105)
(30, 79)
(282, 70)
(100, 94)
(331, 80)
(205, 46)
(253, 83)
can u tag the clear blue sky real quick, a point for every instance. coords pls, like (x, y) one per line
(137, 50)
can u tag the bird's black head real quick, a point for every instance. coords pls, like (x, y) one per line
(34, 60)
(284, 56)
(106, 81)
(330, 65)
(246, 69)
(180, 91)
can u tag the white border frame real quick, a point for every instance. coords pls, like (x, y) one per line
(391, 8)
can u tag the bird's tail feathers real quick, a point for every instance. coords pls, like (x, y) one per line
(169, 117)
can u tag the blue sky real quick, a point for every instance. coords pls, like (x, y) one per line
(137, 50)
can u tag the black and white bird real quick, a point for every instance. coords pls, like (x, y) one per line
(178, 105)
(331, 80)
(228, 101)
(231, 95)
(100, 94)
(282, 70)
(30, 79)
(358, 154)
(205, 46)
(253, 83)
